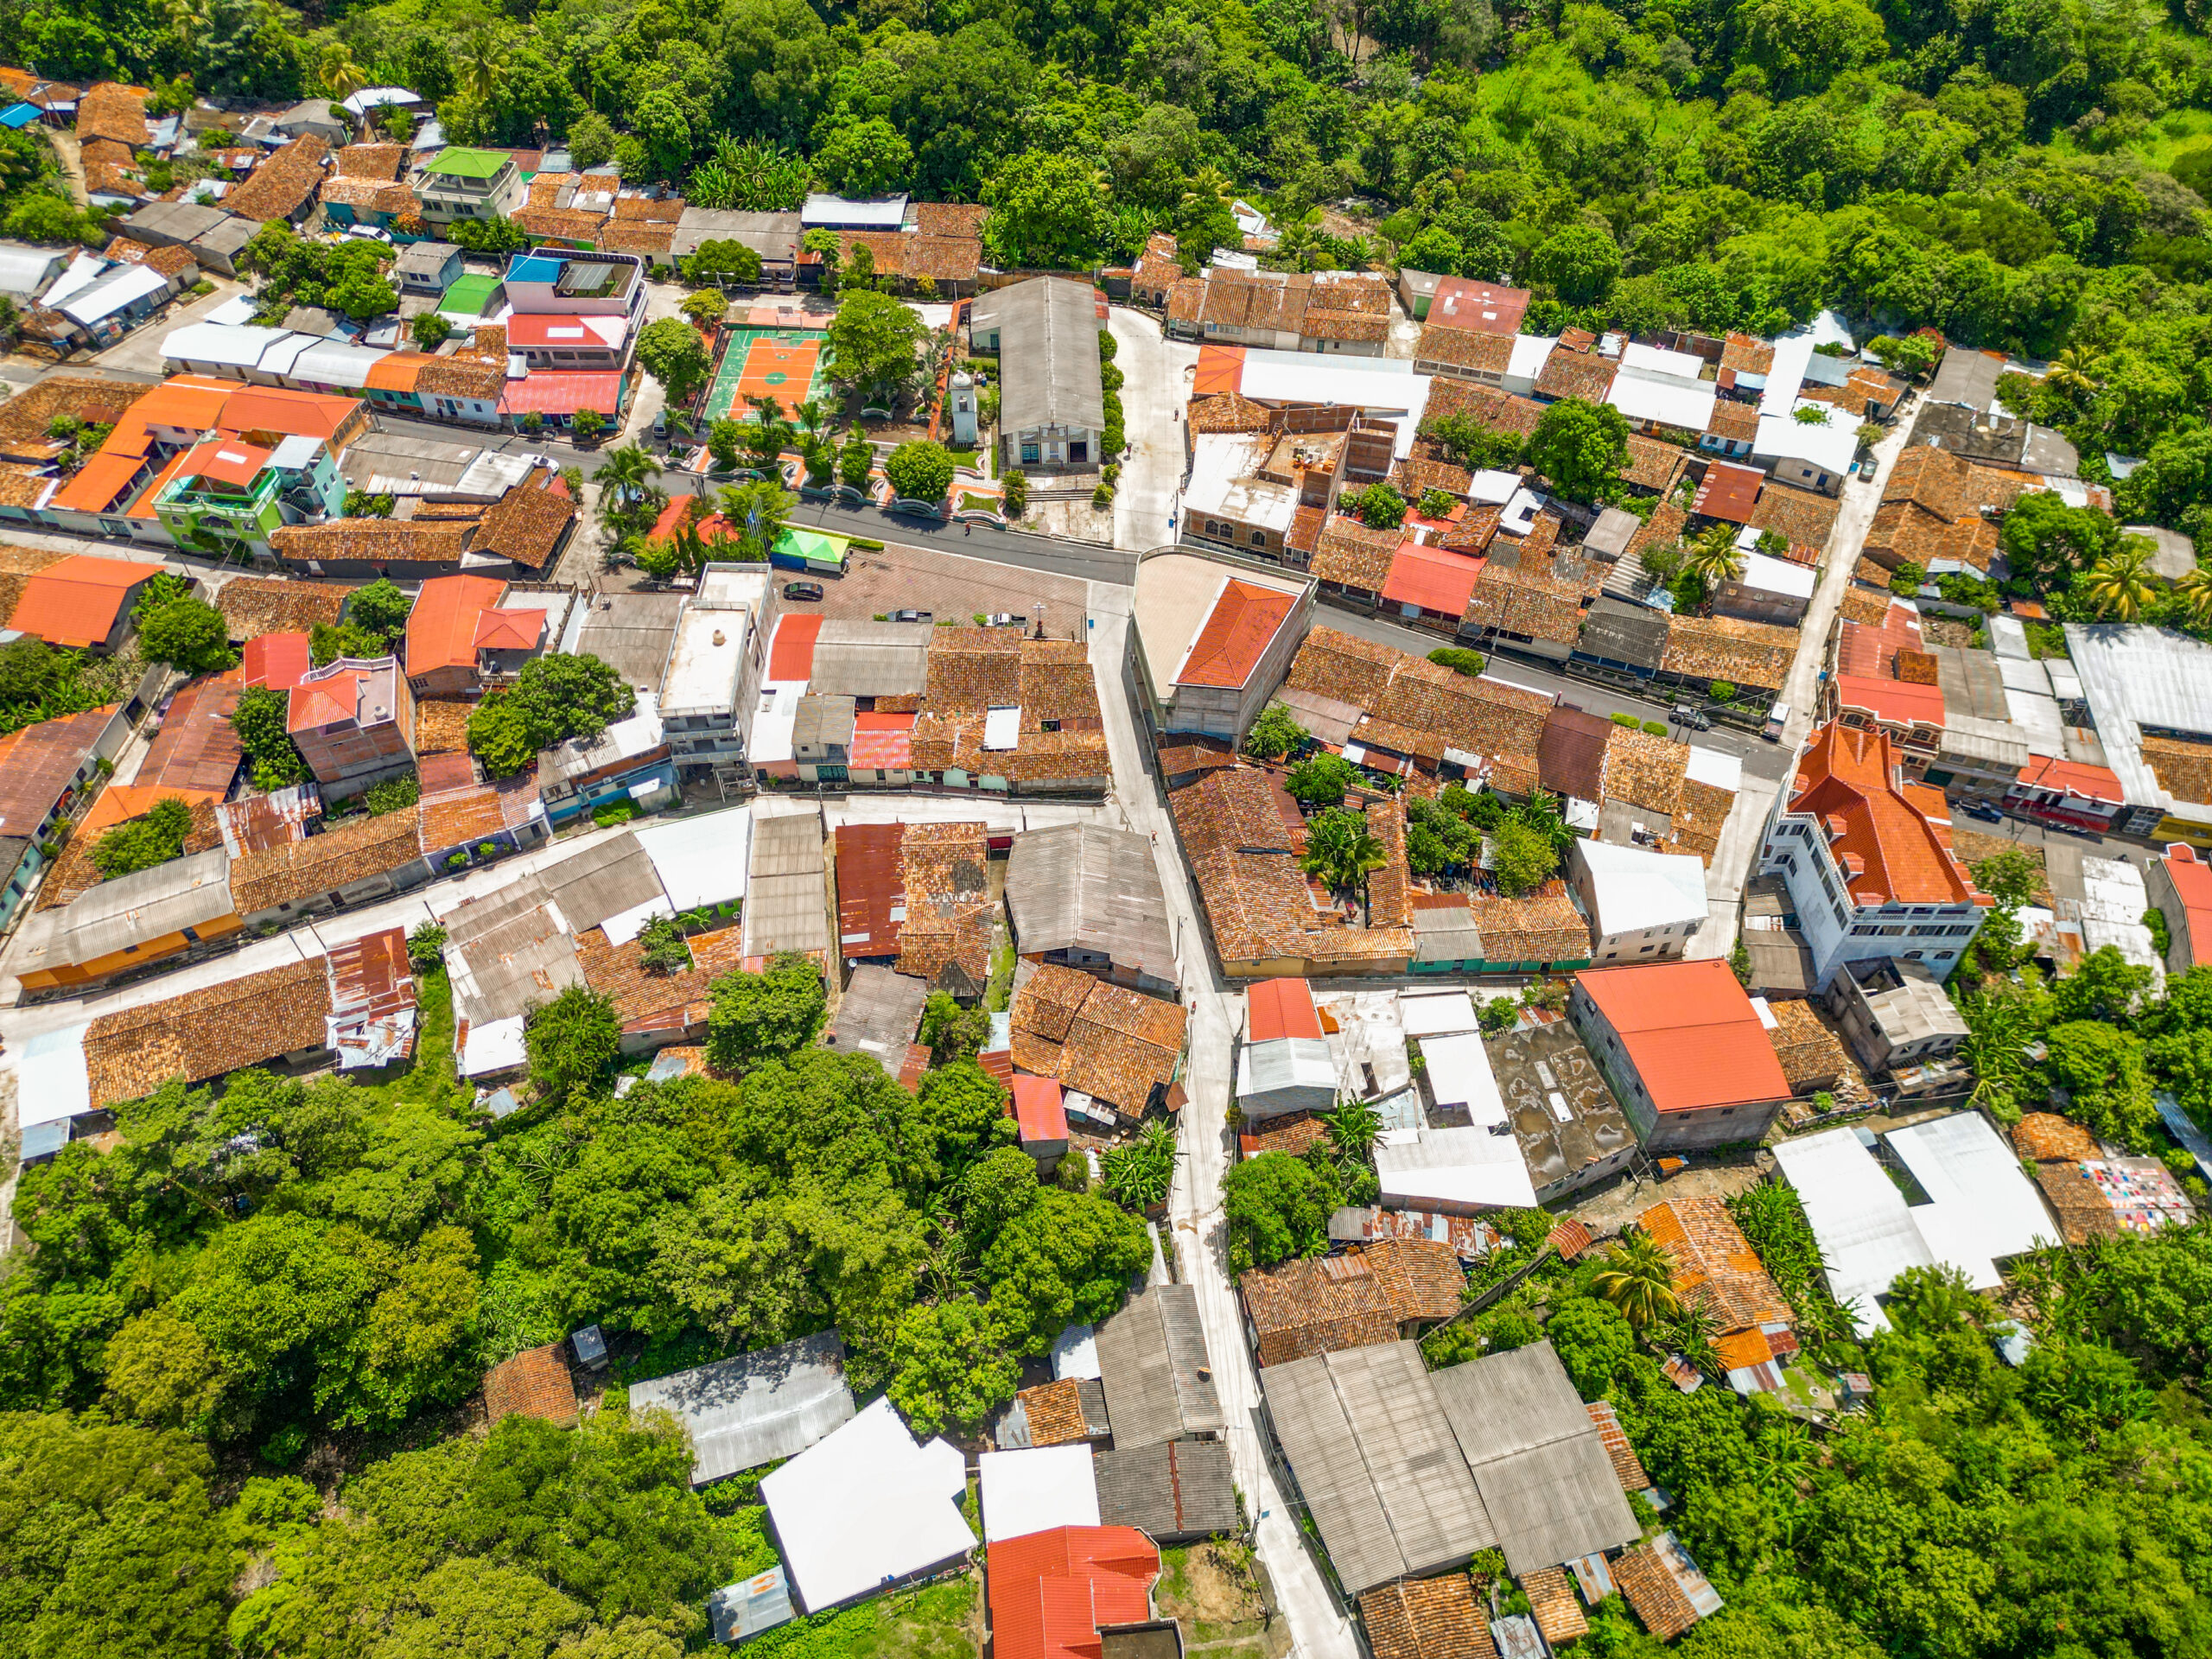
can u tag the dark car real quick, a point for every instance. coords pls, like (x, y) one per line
(802, 590)
(911, 616)
(1981, 810)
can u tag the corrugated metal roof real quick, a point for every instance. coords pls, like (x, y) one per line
(1150, 1354)
(1419, 1476)
(1172, 1491)
(756, 1408)
(1539, 1462)
(787, 899)
(129, 911)
(871, 888)
(1326, 1459)
(1084, 887)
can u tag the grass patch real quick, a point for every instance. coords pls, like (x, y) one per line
(978, 503)
(935, 1622)
(1001, 987)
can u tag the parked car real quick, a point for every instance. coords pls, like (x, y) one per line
(1982, 810)
(1006, 619)
(913, 616)
(1777, 718)
(803, 591)
(1691, 715)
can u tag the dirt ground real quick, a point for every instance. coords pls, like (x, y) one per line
(1078, 520)
(1613, 1206)
(948, 586)
(1219, 1594)
(1974, 845)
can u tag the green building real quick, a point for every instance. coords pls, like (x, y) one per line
(226, 495)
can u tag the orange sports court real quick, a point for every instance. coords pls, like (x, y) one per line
(785, 364)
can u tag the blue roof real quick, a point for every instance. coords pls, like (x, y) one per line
(534, 268)
(18, 115)
(44, 1139)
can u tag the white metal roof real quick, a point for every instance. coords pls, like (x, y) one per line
(1632, 888)
(1717, 767)
(1682, 366)
(335, 363)
(1865, 1230)
(238, 345)
(1003, 727)
(865, 1505)
(1643, 395)
(1036, 1490)
(1530, 352)
(701, 861)
(1778, 575)
(1460, 1075)
(24, 269)
(2135, 675)
(1791, 354)
(117, 288)
(295, 452)
(1075, 1352)
(1966, 1170)
(1830, 447)
(51, 1082)
(1493, 487)
(1455, 1167)
(493, 1045)
(820, 208)
(83, 272)
(375, 97)
(1436, 1013)
(1297, 1073)
(1221, 481)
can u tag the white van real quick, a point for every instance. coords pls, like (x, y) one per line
(1777, 718)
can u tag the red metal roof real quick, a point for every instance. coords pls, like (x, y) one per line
(1037, 1108)
(563, 391)
(509, 630)
(1052, 1592)
(1849, 776)
(286, 413)
(1484, 307)
(1728, 492)
(882, 742)
(1279, 1007)
(1690, 1031)
(2192, 879)
(1893, 700)
(791, 656)
(2076, 778)
(1236, 635)
(1431, 578)
(277, 660)
(75, 602)
(871, 888)
(540, 328)
(226, 460)
(441, 628)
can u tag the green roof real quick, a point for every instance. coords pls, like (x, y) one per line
(811, 545)
(467, 295)
(470, 163)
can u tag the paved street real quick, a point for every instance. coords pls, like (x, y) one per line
(1156, 379)
(1196, 1228)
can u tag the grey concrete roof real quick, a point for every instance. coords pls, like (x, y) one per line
(1609, 537)
(2173, 556)
(1618, 632)
(878, 1015)
(1173, 1491)
(1539, 1461)
(630, 631)
(1150, 1356)
(1540, 1071)
(756, 1408)
(1374, 1458)
(1048, 353)
(1966, 377)
(774, 237)
(1087, 887)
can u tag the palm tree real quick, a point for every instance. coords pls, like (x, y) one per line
(1353, 1129)
(814, 416)
(1210, 182)
(2074, 370)
(1640, 1283)
(188, 20)
(2120, 585)
(1713, 556)
(627, 469)
(2195, 592)
(773, 432)
(342, 77)
(1340, 850)
(482, 64)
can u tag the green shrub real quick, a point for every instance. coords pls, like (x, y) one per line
(614, 813)
(1629, 722)
(1458, 658)
(1657, 728)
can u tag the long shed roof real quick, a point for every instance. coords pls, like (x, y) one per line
(756, 1408)
(1087, 887)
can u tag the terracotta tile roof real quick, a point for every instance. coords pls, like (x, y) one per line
(649, 210)
(1427, 1618)
(1464, 348)
(1328, 322)
(1292, 1133)
(420, 540)
(534, 1383)
(1553, 1605)
(1541, 927)
(950, 913)
(637, 237)
(1500, 411)
(283, 184)
(1715, 1267)
(1733, 420)
(1258, 905)
(110, 111)
(974, 669)
(1663, 529)
(1752, 654)
(1426, 469)
(1574, 374)
(1746, 355)
(1229, 411)
(1300, 1308)
(1698, 816)
(257, 604)
(910, 254)
(381, 161)
(324, 863)
(1652, 463)
(645, 1001)
(1811, 1055)
(1479, 716)
(1864, 606)
(1305, 532)
(1351, 554)
(527, 522)
(1626, 1465)
(2181, 766)
(377, 196)
(196, 748)
(1541, 596)
(1047, 1005)
(1805, 516)
(1690, 1031)
(1390, 887)
(1644, 771)
(207, 1033)
(467, 811)
(561, 224)
(1235, 299)
(1846, 777)
(441, 725)
(2042, 1136)
(1055, 1412)
(949, 218)
(1653, 1591)
(1244, 620)
(1932, 510)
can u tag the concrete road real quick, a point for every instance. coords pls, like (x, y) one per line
(1156, 380)
(1197, 1239)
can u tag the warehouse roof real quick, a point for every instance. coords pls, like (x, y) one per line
(1541, 1464)
(1048, 342)
(1085, 887)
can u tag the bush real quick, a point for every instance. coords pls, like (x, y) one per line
(1905, 580)
(1101, 498)
(1722, 691)
(615, 812)
(393, 794)
(1458, 658)
(1628, 722)
(143, 842)
(1015, 486)
(1322, 780)
(1274, 734)
(920, 471)
(1656, 729)
(2161, 936)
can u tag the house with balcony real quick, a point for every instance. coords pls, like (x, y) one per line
(228, 495)
(716, 661)
(462, 183)
(353, 721)
(1866, 859)
(568, 282)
